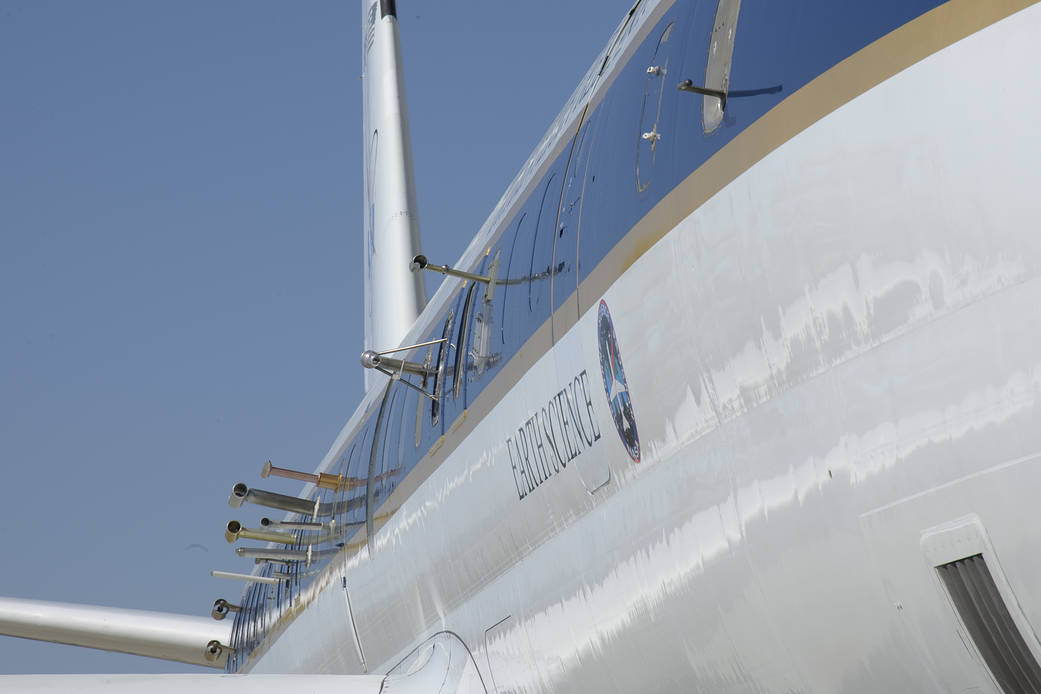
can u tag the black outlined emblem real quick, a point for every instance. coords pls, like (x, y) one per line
(615, 385)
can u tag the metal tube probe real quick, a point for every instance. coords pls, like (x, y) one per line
(420, 262)
(234, 531)
(249, 578)
(292, 525)
(240, 492)
(284, 554)
(322, 479)
(375, 360)
(305, 507)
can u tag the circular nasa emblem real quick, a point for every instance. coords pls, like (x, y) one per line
(615, 385)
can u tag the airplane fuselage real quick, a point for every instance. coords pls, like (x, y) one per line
(751, 375)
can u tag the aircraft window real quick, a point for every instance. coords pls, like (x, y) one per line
(569, 222)
(402, 462)
(540, 270)
(356, 474)
(480, 350)
(403, 457)
(461, 347)
(345, 465)
(650, 113)
(442, 351)
(512, 270)
(349, 510)
(418, 431)
(378, 450)
(720, 54)
(389, 464)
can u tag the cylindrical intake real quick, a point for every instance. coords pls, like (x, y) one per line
(241, 492)
(374, 360)
(293, 504)
(183, 638)
(222, 607)
(234, 531)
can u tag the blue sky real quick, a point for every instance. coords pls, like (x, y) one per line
(180, 228)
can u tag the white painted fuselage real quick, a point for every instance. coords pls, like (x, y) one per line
(830, 333)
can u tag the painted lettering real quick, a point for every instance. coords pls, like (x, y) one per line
(550, 442)
(554, 435)
(516, 483)
(593, 426)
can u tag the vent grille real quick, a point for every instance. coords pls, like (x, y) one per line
(990, 625)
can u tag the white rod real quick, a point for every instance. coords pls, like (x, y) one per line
(184, 638)
(244, 577)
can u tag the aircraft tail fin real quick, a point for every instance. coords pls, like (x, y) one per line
(394, 296)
